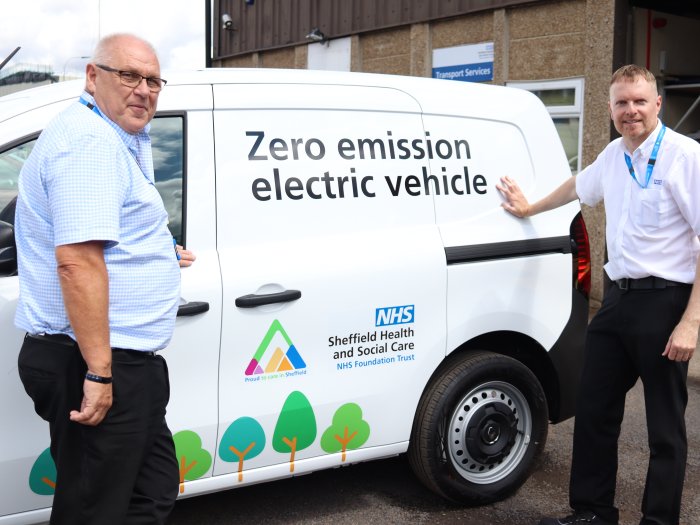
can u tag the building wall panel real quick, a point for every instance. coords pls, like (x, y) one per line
(548, 19)
(387, 51)
(278, 58)
(547, 57)
(269, 24)
(547, 40)
(465, 30)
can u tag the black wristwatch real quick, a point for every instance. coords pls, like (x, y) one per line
(97, 379)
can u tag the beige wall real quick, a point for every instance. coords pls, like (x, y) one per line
(386, 51)
(598, 60)
(545, 41)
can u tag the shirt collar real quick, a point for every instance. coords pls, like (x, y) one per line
(129, 139)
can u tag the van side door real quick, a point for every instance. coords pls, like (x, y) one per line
(333, 274)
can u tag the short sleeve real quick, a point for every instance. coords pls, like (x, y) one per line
(685, 186)
(589, 183)
(86, 187)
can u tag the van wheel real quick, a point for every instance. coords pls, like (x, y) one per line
(480, 425)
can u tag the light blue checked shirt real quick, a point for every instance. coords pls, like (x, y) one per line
(87, 179)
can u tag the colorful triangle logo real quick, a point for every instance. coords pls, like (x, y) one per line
(278, 347)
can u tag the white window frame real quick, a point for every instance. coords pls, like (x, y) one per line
(571, 111)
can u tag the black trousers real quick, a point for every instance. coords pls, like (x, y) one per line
(624, 342)
(122, 471)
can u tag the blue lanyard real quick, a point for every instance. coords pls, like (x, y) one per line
(90, 106)
(652, 159)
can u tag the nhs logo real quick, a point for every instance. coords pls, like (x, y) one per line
(394, 315)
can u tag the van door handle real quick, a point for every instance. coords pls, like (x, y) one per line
(253, 300)
(192, 308)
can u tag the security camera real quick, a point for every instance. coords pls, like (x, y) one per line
(227, 21)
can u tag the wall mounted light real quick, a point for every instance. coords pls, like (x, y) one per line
(249, 2)
(227, 22)
(316, 35)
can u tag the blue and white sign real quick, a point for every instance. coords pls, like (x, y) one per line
(470, 63)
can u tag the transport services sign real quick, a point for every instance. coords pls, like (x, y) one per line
(470, 63)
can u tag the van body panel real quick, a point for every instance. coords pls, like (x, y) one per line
(494, 307)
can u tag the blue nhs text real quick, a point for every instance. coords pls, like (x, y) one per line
(394, 315)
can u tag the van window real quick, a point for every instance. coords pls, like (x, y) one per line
(11, 162)
(168, 160)
(167, 138)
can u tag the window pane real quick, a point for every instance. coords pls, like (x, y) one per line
(168, 161)
(556, 97)
(568, 127)
(11, 162)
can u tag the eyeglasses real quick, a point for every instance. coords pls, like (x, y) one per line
(131, 79)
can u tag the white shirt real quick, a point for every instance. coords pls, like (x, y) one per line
(652, 230)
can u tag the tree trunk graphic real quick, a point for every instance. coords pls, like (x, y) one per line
(344, 441)
(183, 472)
(240, 455)
(296, 419)
(293, 447)
(244, 439)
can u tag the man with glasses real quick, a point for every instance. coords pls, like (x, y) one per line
(100, 287)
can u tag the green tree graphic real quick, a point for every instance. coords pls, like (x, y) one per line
(347, 431)
(244, 438)
(42, 477)
(296, 426)
(194, 461)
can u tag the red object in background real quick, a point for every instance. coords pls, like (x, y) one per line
(659, 22)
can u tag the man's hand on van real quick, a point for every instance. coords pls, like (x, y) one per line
(185, 257)
(515, 202)
(518, 205)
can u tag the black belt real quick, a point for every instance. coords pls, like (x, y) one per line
(141, 353)
(57, 339)
(65, 340)
(646, 283)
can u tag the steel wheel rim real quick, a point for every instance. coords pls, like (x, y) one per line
(492, 418)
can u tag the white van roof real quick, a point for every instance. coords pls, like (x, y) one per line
(434, 96)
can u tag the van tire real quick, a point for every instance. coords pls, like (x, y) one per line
(496, 401)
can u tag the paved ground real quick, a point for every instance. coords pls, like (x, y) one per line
(386, 491)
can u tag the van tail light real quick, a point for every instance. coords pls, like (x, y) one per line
(581, 256)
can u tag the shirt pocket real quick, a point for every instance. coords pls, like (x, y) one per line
(653, 208)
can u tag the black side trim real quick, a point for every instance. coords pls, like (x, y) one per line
(504, 250)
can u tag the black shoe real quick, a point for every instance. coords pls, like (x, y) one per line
(577, 518)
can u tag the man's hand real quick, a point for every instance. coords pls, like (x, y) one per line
(683, 341)
(186, 257)
(518, 205)
(97, 400)
(515, 202)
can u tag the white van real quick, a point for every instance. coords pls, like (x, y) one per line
(358, 291)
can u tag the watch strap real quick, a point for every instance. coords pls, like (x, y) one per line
(97, 379)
